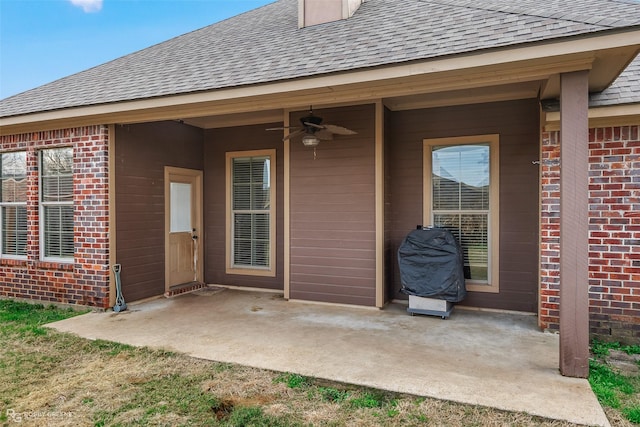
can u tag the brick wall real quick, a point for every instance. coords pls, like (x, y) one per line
(614, 233)
(85, 281)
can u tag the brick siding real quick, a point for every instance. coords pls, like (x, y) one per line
(85, 281)
(614, 233)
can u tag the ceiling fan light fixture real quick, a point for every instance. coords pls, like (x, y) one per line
(310, 141)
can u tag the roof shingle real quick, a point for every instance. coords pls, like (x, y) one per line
(265, 45)
(624, 90)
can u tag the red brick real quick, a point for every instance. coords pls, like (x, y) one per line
(60, 282)
(614, 223)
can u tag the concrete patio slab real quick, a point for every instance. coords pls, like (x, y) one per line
(486, 358)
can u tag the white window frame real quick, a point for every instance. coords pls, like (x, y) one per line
(11, 204)
(493, 140)
(41, 211)
(231, 268)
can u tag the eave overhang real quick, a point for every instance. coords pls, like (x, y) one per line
(613, 115)
(530, 69)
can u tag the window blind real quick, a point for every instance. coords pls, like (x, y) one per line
(56, 197)
(460, 201)
(13, 198)
(251, 211)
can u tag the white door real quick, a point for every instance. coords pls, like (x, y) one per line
(183, 225)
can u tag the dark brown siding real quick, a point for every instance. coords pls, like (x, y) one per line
(142, 152)
(333, 212)
(217, 143)
(517, 124)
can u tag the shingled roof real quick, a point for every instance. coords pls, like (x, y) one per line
(625, 90)
(266, 45)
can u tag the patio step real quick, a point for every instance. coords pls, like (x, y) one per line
(183, 289)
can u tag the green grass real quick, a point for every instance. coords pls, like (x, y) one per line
(607, 385)
(354, 400)
(254, 416)
(601, 348)
(613, 389)
(21, 329)
(111, 348)
(24, 317)
(331, 394)
(368, 400)
(632, 414)
(293, 380)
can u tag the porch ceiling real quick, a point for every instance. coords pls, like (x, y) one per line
(238, 119)
(507, 92)
(486, 76)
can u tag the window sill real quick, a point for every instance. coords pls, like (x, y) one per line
(13, 261)
(44, 265)
(251, 272)
(485, 287)
(55, 265)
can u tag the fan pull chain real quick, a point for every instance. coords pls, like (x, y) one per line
(314, 153)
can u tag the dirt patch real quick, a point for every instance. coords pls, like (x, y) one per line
(222, 410)
(626, 364)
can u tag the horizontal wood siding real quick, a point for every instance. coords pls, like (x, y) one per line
(217, 143)
(142, 152)
(333, 212)
(517, 124)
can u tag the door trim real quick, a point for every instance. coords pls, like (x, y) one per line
(171, 172)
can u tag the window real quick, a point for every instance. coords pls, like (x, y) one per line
(56, 204)
(461, 194)
(13, 204)
(251, 212)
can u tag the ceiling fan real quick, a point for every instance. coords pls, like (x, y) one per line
(313, 131)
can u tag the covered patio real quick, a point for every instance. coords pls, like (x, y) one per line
(494, 359)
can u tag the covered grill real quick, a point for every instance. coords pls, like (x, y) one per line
(432, 269)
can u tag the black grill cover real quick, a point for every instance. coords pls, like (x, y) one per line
(431, 265)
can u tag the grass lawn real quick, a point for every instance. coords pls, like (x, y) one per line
(617, 389)
(49, 378)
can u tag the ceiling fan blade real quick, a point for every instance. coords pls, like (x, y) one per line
(294, 134)
(324, 134)
(339, 130)
(284, 127)
(313, 125)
